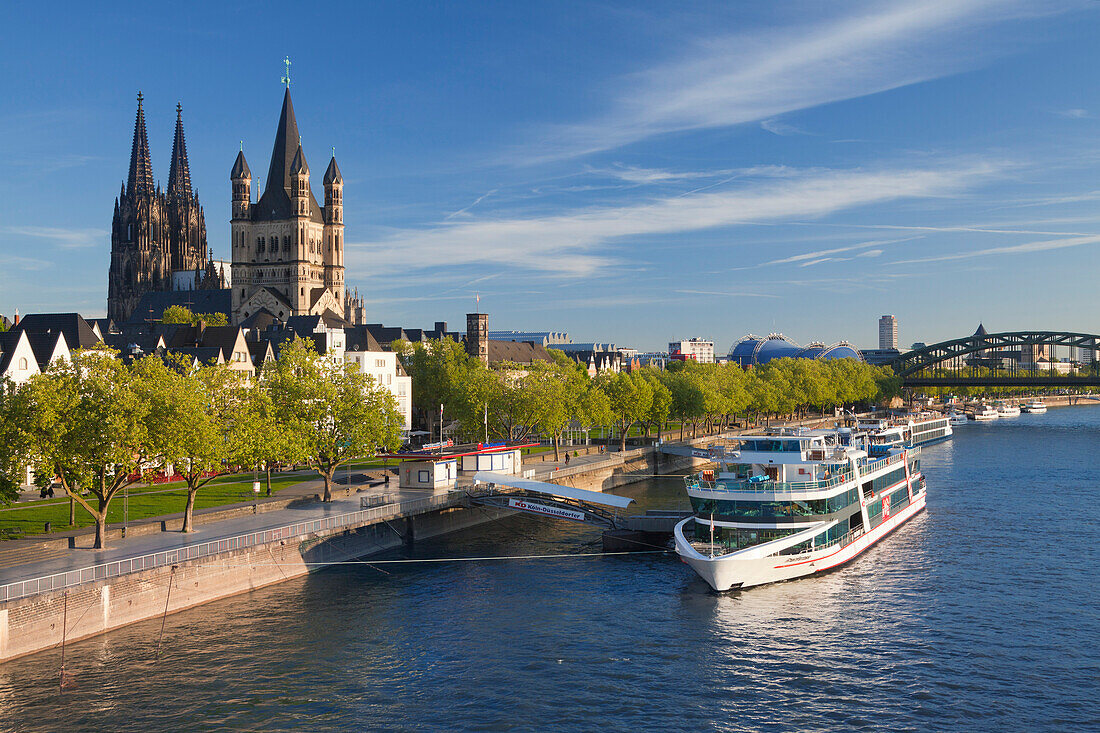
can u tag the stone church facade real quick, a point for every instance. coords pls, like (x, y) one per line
(154, 233)
(287, 250)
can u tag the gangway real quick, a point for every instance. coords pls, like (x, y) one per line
(504, 491)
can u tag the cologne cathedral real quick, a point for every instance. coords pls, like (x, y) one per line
(155, 233)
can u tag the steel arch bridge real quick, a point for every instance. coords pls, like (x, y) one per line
(987, 360)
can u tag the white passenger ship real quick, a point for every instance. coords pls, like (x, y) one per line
(911, 430)
(794, 503)
(1035, 407)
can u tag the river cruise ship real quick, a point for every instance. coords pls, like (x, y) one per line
(795, 503)
(912, 430)
(1035, 407)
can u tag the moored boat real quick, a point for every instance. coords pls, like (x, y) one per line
(911, 430)
(982, 413)
(1007, 409)
(794, 503)
(954, 419)
(1035, 407)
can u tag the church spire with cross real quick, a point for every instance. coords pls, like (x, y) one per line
(140, 179)
(179, 171)
(288, 249)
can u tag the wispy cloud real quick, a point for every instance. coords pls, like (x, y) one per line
(637, 175)
(62, 237)
(1074, 114)
(24, 263)
(815, 256)
(579, 242)
(728, 293)
(763, 73)
(783, 129)
(1041, 246)
(477, 201)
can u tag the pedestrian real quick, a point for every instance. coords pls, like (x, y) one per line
(566, 460)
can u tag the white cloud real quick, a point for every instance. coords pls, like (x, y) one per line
(578, 243)
(762, 73)
(1042, 246)
(1074, 114)
(782, 129)
(62, 237)
(836, 250)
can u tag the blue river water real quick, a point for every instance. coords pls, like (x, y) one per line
(979, 614)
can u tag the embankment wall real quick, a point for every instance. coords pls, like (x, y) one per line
(32, 624)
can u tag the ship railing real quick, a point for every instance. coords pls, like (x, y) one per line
(745, 486)
(883, 462)
(844, 539)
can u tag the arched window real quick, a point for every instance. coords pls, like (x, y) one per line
(286, 244)
(260, 245)
(23, 363)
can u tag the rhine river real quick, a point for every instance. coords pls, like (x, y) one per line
(980, 614)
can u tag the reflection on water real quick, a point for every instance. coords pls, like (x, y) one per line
(979, 614)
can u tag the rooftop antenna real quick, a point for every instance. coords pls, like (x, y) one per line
(286, 79)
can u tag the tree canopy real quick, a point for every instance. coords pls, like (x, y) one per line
(183, 315)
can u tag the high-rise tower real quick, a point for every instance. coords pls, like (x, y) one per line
(288, 250)
(888, 332)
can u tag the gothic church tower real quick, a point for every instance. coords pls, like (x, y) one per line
(186, 221)
(153, 233)
(288, 251)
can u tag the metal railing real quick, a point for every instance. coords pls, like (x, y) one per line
(116, 568)
(745, 486)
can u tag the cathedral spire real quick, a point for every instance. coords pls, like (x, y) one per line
(179, 173)
(140, 180)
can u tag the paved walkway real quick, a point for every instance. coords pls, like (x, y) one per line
(120, 549)
(14, 569)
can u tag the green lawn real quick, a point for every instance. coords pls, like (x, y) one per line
(149, 501)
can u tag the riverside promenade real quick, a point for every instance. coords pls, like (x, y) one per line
(78, 593)
(32, 560)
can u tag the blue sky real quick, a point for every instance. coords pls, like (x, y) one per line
(627, 172)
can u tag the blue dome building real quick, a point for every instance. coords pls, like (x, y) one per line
(752, 350)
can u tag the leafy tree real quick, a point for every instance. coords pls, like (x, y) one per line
(197, 420)
(557, 389)
(444, 374)
(88, 420)
(687, 401)
(14, 455)
(180, 314)
(630, 398)
(593, 408)
(330, 413)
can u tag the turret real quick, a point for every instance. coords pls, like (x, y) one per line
(334, 193)
(241, 177)
(299, 183)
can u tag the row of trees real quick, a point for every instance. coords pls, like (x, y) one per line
(98, 425)
(514, 403)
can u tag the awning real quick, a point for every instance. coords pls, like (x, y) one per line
(516, 482)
